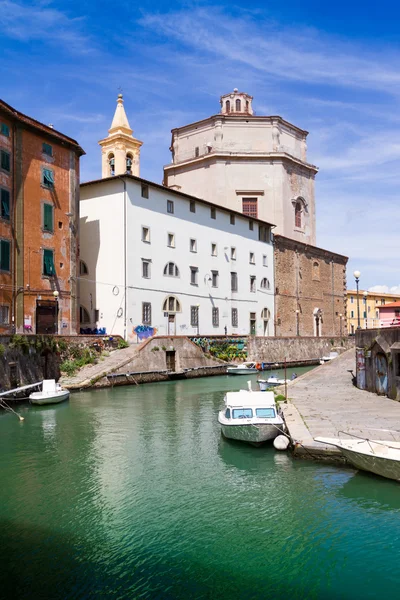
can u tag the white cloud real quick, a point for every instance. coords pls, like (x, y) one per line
(385, 289)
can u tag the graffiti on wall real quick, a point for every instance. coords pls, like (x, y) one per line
(144, 331)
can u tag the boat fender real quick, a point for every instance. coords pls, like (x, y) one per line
(281, 442)
(258, 366)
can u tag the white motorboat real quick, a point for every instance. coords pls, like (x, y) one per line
(246, 368)
(329, 357)
(51, 393)
(274, 381)
(375, 456)
(250, 417)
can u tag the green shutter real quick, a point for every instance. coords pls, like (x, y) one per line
(4, 255)
(48, 178)
(48, 217)
(5, 160)
(5, 204)
(5, 130)
(48, 263)
(47, 149)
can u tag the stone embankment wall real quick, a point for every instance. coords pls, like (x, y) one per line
(294, 349)
(379, 354)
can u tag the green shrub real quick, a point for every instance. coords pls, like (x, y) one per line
(155, 349)
(69, 367)
(122, 344)
(2, 350)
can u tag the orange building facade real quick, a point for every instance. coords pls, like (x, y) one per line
(39, 219)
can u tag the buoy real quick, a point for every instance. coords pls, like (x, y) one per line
(281, 442)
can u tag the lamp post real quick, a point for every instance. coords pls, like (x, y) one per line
(297, 322)
(365, 296)
(56, 293)
(357, 278)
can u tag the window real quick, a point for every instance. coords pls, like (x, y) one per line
(214, 278)
(232, 219)
(213, 249)
(365, 314)
(48, 263)
(234, 282)
(170, 207)
(146, 235)
(247, 106)
(146, 268)
(215, 316)
(249, 207)
(252, 283)
(171, 304)
(265, 260)
(297, 215)
(48, 212)
(83, 270)
(84, 316)
(192, 206)
(234, 314)
(145, 190)
(352, 314)
(5, 130)
(4, 314)
(5, 251)
(263, 233)
(213, 213)
(146, 313)
(383, 301)
(96, 314)
(171, 240)
(228, 106)
(238, 105)
(352, 299)
(5, 205)
(315, 271)
(196, 151)
(364, 300)
(265, 412)
(128, 163)
(171, 270)
(253, 323)
(194, 316)
(252, 259)
(228, 413)
(193, 275)
(48, 178)
(233, 253)
(251, 225)
(5, 160)
(47, 149)
(242, 413)
(111, 164)
(265, 284)
(193, 245)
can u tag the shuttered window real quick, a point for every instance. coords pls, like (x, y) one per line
(5, 160)
(249, 207)
(5, 248)
(48, 178)
(215, 316)
(146, 313)
(48, 263)
(47, 149)
(5, 130)
(234, 317)
(48, 224)
(5, 204)
(4, 314)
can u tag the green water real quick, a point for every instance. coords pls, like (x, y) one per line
(132, 493)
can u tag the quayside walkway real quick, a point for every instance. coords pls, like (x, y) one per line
(324, 401)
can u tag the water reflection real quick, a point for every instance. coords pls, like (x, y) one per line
(369, 491)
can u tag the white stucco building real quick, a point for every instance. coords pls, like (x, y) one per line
(156, 258)
(249, 163)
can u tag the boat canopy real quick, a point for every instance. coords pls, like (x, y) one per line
(246, 398)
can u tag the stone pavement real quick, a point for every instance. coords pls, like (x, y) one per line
(91, 373)
(324, 401)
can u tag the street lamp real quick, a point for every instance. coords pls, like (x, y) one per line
(56, 293)
(297, 321)
(365, 296)
(357, 278)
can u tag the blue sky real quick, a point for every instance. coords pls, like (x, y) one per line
(333, 70)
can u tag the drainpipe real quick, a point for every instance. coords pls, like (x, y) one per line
(121, 177)
(333, 301)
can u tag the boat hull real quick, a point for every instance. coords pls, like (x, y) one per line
(40, 399)
(234, 371)
(374, 464)
(251, 433)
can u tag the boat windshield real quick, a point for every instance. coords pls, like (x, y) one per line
(242, 413)
(265, 412)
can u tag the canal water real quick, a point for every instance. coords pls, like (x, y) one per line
(132, 493)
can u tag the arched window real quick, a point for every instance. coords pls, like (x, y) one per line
(84, 316)
(247, 106)
(297, 214)
(83, 270)
(238, 105)
(171, 304)
(315, 270)
(129, 159)
(111, 164)
(265, 283)
(171, 270)
(228, 106)
(265, 314)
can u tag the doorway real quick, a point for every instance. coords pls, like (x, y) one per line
(253, 323)
(381, 374)
(46, 317)
(171, 324)
(170, 358)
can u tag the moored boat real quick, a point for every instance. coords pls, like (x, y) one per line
(51, 393)
(376, 456)
(246, 368)
(250, 417)
(273, 381)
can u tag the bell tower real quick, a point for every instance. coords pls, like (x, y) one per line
(120, 150)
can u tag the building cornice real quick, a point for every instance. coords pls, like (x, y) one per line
(282, 242)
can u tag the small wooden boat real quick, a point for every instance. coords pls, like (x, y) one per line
(52, 393)
(246, 368)
(375, 456)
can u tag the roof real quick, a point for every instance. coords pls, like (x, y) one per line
(246, 398)
(176, 193)
(391, 305)
(372, 294)
(313, 249)
(14, 114)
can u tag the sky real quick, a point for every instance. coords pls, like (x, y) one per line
(330, 68)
